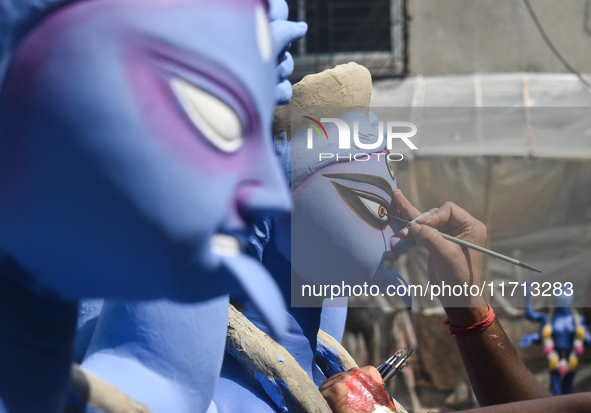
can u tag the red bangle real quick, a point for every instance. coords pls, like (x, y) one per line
(474, 328)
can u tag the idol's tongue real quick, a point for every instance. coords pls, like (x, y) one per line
(385, 277)
(261, 288)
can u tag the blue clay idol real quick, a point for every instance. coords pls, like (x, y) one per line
(563, 335)
(135, 153)
(283, 33)
(169, 355)
(337, 232)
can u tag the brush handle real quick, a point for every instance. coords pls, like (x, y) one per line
(489, 252)
(475, 247)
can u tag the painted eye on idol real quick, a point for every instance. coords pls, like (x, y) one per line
(217, 121)
(370, 208)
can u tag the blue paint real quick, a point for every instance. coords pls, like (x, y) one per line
(333, 319)
(280, 358)
(273, 390)
(18, 18)
(329, 356)
(88, 314)
(284, 33)
(165, 354)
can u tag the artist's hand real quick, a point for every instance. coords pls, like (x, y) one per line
(448, 262)
(357, 390)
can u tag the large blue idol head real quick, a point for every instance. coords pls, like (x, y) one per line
(136, 150)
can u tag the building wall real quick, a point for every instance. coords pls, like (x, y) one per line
(465, 36)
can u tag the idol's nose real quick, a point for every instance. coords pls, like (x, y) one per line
(396, 244)
(265, 190)
(268, 196)
(259, 199)
(393, 242)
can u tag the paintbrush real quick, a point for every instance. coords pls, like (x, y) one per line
(390, 362)
(387, 375)
(475, 247)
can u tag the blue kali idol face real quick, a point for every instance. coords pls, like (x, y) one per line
(136, 150)
(340, 225)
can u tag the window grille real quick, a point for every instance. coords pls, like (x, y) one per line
(369, 32)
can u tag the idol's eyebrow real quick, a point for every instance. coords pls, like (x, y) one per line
(374, 180)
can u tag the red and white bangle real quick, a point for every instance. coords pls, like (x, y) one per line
(474, 328)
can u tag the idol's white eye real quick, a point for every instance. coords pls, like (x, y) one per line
(263, 33)
(379, 211)
(215, 119)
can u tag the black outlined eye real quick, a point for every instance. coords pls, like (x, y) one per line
(215, 119)
(375, 208)
(370, 208)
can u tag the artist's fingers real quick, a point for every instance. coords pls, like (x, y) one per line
(429, 212)
(404, 233)
(452, 218)
(335, 395)
(335, 389)
(339, 377)
(331, 381)
(372, 372)
(407, 211)
(358, 385)
(432, 240)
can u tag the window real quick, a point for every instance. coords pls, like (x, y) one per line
(370, 32)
